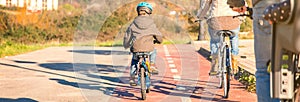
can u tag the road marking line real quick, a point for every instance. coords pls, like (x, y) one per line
(174, 70)
(176, 77)
(182, 88)
(172, 65)
(168, 55)
(170, 61)
(169, 58)
(166, 50)
(186, 99)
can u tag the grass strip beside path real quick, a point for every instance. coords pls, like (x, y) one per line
(11, 49)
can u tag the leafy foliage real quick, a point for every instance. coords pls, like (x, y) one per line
(248, 79)
(39, 28)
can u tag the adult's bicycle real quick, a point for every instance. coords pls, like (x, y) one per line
(143, 72)
(224, 62)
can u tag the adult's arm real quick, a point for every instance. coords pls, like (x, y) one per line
(205, 5)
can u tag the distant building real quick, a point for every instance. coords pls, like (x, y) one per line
(32, 5)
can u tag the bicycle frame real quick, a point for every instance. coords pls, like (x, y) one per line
(224, 57)
(142, 57)
(223, 43)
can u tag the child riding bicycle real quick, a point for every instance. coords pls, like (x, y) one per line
(141, 36)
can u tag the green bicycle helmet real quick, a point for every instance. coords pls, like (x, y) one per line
(144, 6)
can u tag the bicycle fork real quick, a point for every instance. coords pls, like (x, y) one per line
(142, 64)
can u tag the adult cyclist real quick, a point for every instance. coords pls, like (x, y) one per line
(220, 18)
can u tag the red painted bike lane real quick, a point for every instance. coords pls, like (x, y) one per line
(184, 77)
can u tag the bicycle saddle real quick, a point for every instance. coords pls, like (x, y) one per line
(142, 54)
(225, 33)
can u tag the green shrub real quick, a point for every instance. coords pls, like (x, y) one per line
(247, 25)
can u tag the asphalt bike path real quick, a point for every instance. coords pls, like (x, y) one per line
(60, 74)
(184, 78)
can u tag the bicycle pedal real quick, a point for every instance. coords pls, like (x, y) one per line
(132, 84)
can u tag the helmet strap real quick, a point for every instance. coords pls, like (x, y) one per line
(143, 13)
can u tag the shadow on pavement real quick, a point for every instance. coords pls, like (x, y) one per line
(115, 89)
(58, 74)
(17, 100)
(108, 78)
(106, 90)
(82, 67)
(25, 62)
(190, 91)
(101, 52)
(205, 53)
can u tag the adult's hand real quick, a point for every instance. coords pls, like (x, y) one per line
(242, 9)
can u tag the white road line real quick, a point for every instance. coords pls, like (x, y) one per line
(170, 61)
(176, 77)
(169, 58)
(186, 99)
(174, 70)
(172, 65)
(167, 53)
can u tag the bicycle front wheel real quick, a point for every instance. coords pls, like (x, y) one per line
(220, 80)
(143, 83)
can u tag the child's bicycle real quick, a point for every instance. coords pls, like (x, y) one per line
(224, 63)
(143, 72)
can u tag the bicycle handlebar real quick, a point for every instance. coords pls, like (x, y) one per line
(198, 20)
(250, 13)
(241, 15)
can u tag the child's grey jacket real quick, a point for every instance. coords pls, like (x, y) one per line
(140, 35)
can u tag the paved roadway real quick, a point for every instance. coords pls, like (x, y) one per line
(81, 74)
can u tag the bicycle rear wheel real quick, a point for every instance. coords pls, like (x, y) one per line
(226, 74)
(143, 83)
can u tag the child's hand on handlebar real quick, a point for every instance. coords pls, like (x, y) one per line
(156, 42)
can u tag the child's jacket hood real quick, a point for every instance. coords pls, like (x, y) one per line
(139, 35)
(143, 22)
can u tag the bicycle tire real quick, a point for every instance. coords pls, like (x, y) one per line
(220, 80)
(148, 90)
(297, 96)
(226, 84)
(221, 65)
(143, 83)
(226, 75)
